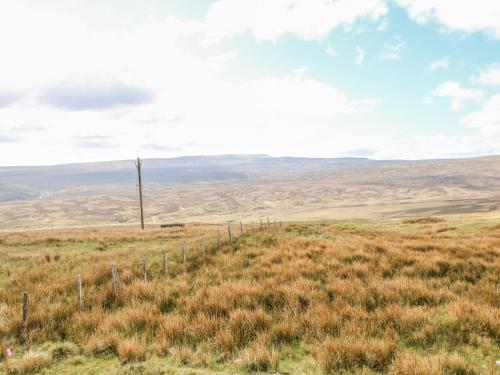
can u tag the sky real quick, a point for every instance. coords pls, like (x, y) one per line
(101, 80)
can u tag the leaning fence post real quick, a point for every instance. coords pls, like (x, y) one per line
(260, 224)
(144, 268)
(114, 274)
(26, 301)
(79, 292)
(165, 262)
(241, 227)
(230, 237)
(268, 224)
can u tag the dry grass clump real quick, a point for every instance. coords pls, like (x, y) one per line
(102, 345)
(258, 357)
(30, 363)
(131, 350)
(419, 364)
(353, 297)
(349, 353)
(244, 325)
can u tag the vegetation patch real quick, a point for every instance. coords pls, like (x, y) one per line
(368, 302)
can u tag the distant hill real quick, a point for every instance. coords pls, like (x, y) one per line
(247, 188)
(27, 182)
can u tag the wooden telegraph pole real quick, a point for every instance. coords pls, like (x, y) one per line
(138, 164)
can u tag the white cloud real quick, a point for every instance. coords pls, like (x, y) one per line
(457, 94)
(487, 118)
(468, 16)
(330, 50)
(200, 105)
(270, 20)
(489, 77)
(197, 99)
(443, 64)
(360, 55)
(392, 50)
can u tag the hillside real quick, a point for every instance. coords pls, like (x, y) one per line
(181, 170)
(416, 297)
(248, 188)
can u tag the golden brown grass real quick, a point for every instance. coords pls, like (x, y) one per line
(131, 350)
(356, 352)
(30, 363)
(352, 298)
(418, 364)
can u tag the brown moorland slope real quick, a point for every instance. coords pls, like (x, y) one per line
(314, 192)
(410, 297)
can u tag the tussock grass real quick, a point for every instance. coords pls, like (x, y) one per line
(131, 350)
(30, 363)
(418, 364)
(258, 357)
(348, 353)
(349, 297)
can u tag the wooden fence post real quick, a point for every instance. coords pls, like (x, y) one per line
(165, 262)
(230, 237)
(268, 224)
(183, 254)
(218, 239)
(241, 227)
(260, 224)
(26, 301)
(114, 275)
(144, 268)
(79, 292)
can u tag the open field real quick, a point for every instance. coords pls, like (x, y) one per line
(364, 297)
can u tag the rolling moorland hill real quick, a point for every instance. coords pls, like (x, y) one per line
(189, 169)
(245, 187)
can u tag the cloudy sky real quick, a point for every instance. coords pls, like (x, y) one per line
(99, 80)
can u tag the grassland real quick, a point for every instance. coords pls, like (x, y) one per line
(362, 297)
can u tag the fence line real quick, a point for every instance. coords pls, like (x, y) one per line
(217, 245)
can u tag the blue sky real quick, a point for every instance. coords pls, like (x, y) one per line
(85, 81)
